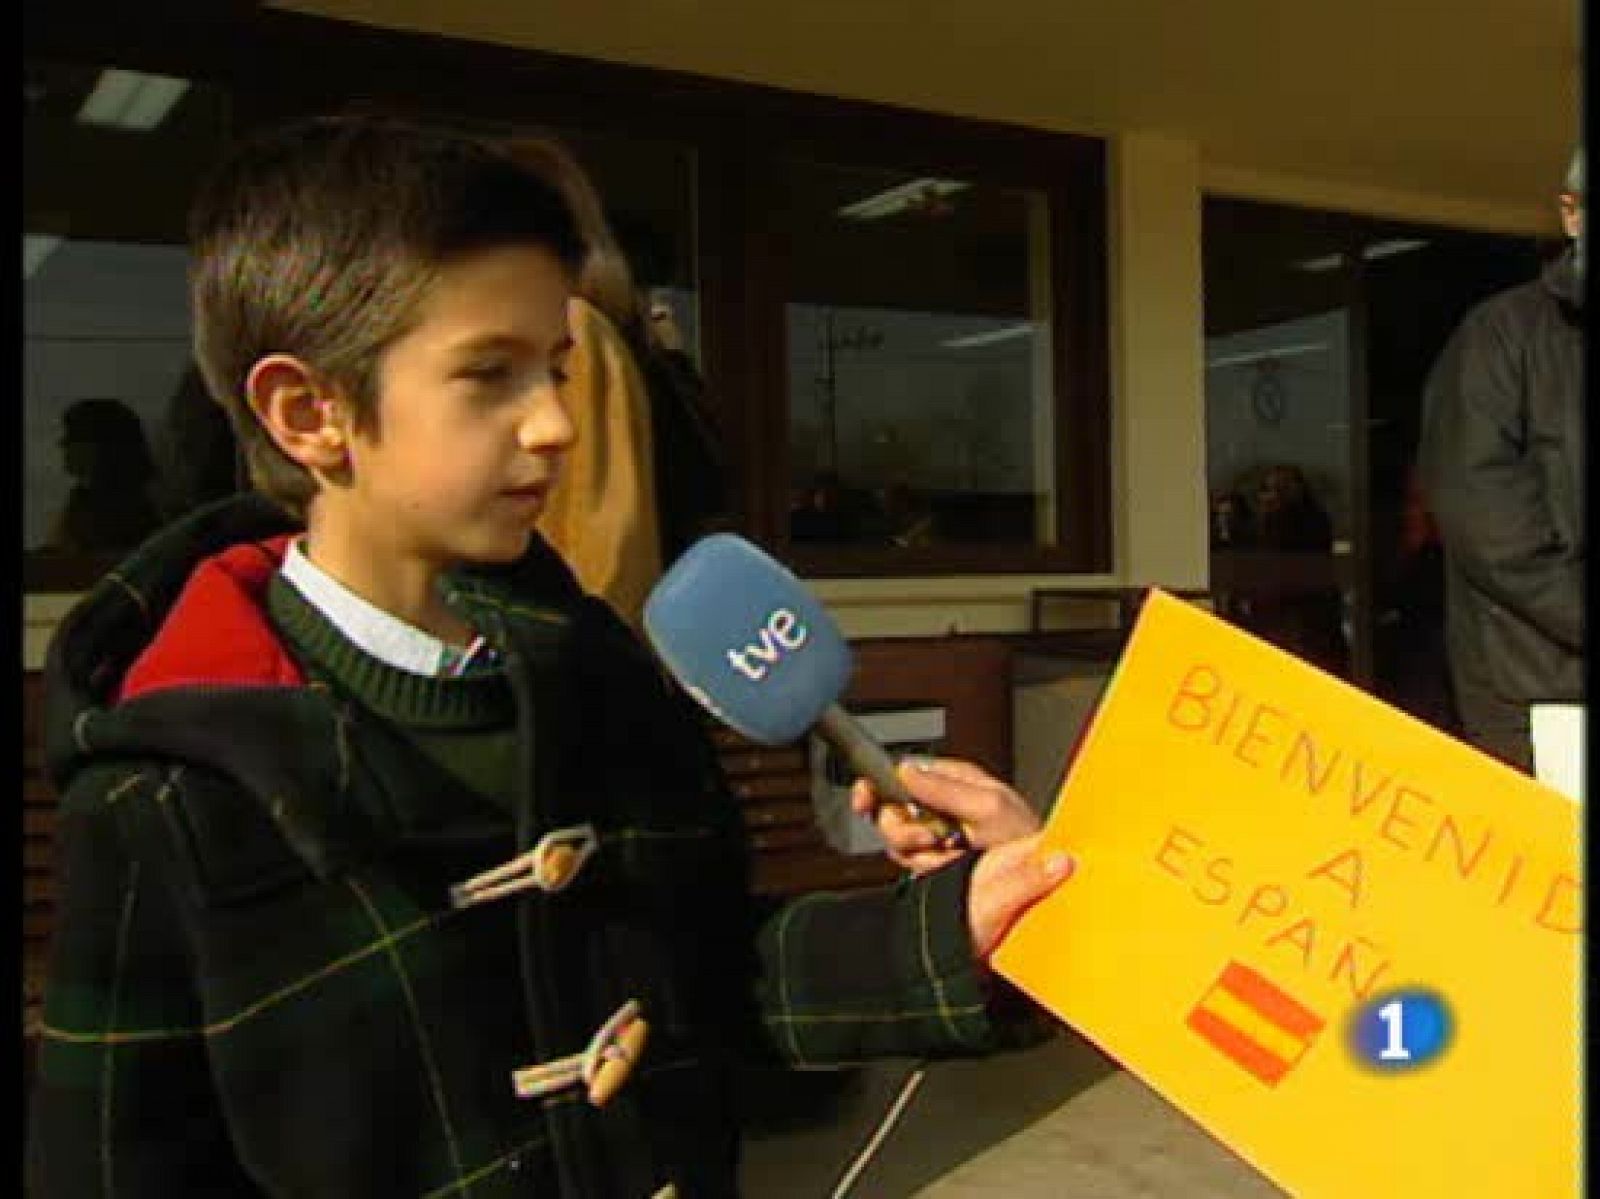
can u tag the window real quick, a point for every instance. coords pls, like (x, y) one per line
(1321, 329)
(943, 351)
(106, 359)
(920, 383)
(647, 187)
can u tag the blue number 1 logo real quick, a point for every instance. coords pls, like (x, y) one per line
(1402, 1030)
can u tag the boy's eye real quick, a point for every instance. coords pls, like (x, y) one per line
(499, 374)
(488, 372)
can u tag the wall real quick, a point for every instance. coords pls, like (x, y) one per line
(1469, 101)
(1159, 414)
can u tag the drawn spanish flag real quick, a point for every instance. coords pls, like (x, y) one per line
(1253, 1022)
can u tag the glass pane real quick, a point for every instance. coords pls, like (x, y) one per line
(1278, 395)
(648, 192)
(645, 193)
(116, 424)
(646, 189)
(920, 393)
(1278, 416)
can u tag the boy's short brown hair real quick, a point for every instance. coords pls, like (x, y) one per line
(321, 239)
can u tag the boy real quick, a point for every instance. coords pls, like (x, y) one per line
(391, 865)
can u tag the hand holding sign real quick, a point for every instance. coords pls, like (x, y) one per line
(1006, 882)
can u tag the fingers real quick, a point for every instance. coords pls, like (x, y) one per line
(910, 844)
(947, 776)
(987, 811)
(990, 812)
(969, 800)
(954, 768)
(905, 833)
(863, 799)
(925, 862)
(1007, 882)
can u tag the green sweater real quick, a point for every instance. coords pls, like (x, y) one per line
(467, 725)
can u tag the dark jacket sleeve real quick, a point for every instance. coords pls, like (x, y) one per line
(1484, 487)
(122, 1103)
(887, 971)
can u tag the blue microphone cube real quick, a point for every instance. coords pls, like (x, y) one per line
(745, 638)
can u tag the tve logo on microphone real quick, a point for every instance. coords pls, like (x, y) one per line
(782, 631)
(747, 640)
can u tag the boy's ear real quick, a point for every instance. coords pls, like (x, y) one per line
(303, 415)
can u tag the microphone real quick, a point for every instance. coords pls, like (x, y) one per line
(761, 654)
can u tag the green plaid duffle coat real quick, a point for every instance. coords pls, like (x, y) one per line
(259, 984)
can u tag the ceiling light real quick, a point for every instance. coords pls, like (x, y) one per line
(901, 198)
(1371, 253)
(131, 100)
(1329, 262)
(1266, 355)
(973, 340)
(1386, 249)
(36, 247)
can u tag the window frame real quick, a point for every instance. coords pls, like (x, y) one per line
(277, 64)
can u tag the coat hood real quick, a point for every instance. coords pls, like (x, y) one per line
(171, 657)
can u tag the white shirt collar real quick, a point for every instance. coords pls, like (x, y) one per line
(387, 638)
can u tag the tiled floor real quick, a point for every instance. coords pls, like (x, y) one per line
(1056, 1122)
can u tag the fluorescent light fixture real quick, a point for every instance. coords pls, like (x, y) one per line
(1329, 262)
(973, 340)
(36, 247)
(1387, 249)
(1266, 355)
(131, 100)
(898, 199)
(1372, 252)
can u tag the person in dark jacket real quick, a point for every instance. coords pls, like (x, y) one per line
(390, 861)
(1502, 462)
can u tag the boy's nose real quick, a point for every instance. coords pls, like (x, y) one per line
(547, 424)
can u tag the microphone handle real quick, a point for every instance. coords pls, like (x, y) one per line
(872, 762)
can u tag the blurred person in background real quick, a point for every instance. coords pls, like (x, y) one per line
(110, 508)
(646, 473)
(1307, 619)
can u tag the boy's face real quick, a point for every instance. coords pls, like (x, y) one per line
(470, 427)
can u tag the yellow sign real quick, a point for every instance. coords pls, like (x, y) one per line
(1344, 943)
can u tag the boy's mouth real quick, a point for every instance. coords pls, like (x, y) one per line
(529, 491)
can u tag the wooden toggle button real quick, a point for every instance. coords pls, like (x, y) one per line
(618, 1063)
(559, 864)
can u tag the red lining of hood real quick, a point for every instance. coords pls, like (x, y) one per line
(218, 632)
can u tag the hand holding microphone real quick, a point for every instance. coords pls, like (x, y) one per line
(989, 811)
(758, 651)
